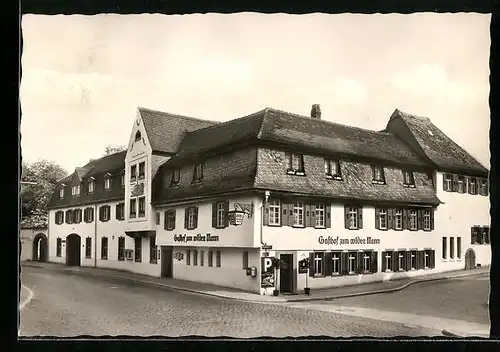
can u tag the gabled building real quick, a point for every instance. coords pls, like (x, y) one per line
(277, 201)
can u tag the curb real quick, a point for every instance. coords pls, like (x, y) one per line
(355, 294)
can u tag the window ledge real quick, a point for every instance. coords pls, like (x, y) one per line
(298, 226)
(274, 225)
(320, 227)
(376, 182)
(319, 275)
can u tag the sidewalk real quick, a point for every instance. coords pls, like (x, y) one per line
(231, 293)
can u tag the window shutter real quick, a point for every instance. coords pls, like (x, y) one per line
(195, 217)
(307, 215)
(421, 263)
(328, 216)
(345, 263)
(405, 219)
(284, 214)
(432, 259)
(408, 260)
(468, 180)
(487, 188)
(374, 264)
(405, 267)
(214, 214)
(186, 212)
(360, 217)
(472, 235)
(420, 219)
(328, 264)
(477, 181)
(117, 211)
(454, 187)
(174, 216)
(100, 213)
(311, 264)
(373, 172)
(432, 218)
(290, 215)
(444, 182)
(377, 218)
(390, 218)
(226, 214)
(265, 216)
(394, 259)
(384, 267)
(346, 216)
(359, 262)
(165, 218)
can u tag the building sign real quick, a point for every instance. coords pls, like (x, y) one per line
(138, 190)
(267, 272)
(303, 266)
(336, 241)
(198, 238)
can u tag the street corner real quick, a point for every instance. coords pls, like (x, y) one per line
(26, 295)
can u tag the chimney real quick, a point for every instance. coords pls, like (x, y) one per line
(316, 112)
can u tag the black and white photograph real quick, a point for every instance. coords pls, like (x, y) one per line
(253, 175)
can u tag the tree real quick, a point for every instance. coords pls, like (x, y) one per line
(112, 149)
(34, 198)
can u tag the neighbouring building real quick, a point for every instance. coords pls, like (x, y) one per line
(275, 201)
(34, 244)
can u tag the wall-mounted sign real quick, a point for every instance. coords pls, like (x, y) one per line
(198, 238)
(336, 241)
(138, 190)
(179, 256)
(304, 266)
(236, 216)
(267, 271)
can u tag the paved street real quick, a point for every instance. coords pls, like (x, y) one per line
(69, 304)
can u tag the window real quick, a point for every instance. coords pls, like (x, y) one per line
(298, 214)
(245, 260)
(319, 258)
(210, 258)
(352, 262)
(69, 216)
(176, 176)
(378, 174)
(169, 221)
(59, 218)
(157, 218)
(120, 211)
(142, 206)
(472, 185)
(382, 220)
(133, 173)
(398, 219)
(75, 190)
(388, 261)
(217, 259)
(133, 208)
(202, 258)
(295, 164)
(486, 235)
(461, 184)
(198, 173)
(221, 215)
(121, 248)
(152, 250)
(188, 257)
(459, 247)
(427, 259)
(332, 169)
(475, 235)
(137, 136)
(447, 183)
(320, 215)
(105, 211)
(444, 248)
(191, 219)
(352, 218)
(122, 180)
(413, 219)
(138, 249)
(335, 263)
(58, 247)
(104, 248)
(401, 260)
(195, 257)
(107, 182)
(88, 247)
(91, 186)
(427, 220)
(483, 187)
(452, 248)
(413, 260)
(61, 192)
(88, 214)
(142, 170)
(408, 179)
(274, 212)
(77, 214)
(367, 258)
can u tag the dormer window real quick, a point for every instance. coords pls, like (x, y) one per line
(378, 174)
(91, 185)
(408, 179)
(176, 175)
(75, 190)
(332, 169)
(61, 191)
(295, 164)
(133, 174)
(198, 173)
(107, 181)
(138, 136)
(142, 168)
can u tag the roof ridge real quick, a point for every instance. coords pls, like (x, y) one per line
(141, 108)
(406, 114)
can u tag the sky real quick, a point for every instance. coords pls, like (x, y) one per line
(83, 77)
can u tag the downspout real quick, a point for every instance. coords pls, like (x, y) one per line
(95, 236)
(262, 217)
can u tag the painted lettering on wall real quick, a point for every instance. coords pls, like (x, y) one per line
(197, 238)
(337, 241)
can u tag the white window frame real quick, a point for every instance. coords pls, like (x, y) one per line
(192, 218)
(143, 175)
(448, 179)
(275, 212)
(427, 259)
(133, 206)
(409, 179)
(320, 213)
(382, 216)
(401, 259)
(139, 206)
(353, 218)
(427, 219)
(91, 187)
(298, 214)
(220, 214)
(398, 219)
(122, 180)
(452, 247)
(332, 168)
(367, 261)
(336, 263)
(133, 173)
(461, 184)
(319, 258)
(106, 213)
(351, 260)
(61, 192)
(198, 172)
(413, 219)
(472, 185)
(413, 260)
(107, 182)
(388, 261)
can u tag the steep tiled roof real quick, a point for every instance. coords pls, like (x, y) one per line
(438, 147)
(271, 125)
(165, 131)
(113, 164)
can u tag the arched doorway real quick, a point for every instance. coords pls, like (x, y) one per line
(73, 250)
(470, 259)
(40, 248)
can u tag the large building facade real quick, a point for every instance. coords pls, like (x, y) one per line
(276, 202)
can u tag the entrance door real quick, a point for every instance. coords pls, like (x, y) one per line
(166, 261)
(73, 250)
(286, 273)
(470, 259)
